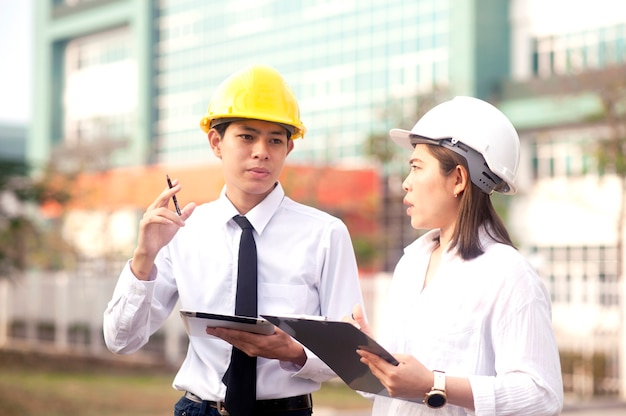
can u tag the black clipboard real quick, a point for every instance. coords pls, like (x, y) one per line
(335, 343)
(196, 323)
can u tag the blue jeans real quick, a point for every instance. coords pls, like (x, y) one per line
(187, 407)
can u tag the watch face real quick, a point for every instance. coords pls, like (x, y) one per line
(436, 400)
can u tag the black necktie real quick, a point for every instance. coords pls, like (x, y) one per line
(240, 378)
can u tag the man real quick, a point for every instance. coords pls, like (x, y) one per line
(306, 262)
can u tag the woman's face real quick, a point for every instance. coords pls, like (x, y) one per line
(430, 195)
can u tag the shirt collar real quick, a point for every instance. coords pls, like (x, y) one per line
(426, 243)
(260, 215)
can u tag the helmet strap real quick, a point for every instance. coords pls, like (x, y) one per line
(479, 172)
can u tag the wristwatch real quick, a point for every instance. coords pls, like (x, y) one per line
(436, 398)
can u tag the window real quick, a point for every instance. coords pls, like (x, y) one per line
(568, 53)
(101, 87)
(564, 154)
(583, 275)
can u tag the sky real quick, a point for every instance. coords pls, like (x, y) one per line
(15, 60)
(560, 16)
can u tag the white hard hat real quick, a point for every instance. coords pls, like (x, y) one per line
(465, 125)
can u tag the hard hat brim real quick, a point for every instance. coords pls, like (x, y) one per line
(208, 123)
(402, 138)
(476, 163)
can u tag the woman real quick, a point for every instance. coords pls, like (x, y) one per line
(468, 317)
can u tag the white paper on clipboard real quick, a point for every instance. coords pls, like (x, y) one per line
(196, 323)
(335, 343)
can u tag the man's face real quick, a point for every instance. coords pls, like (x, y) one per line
(253, 153)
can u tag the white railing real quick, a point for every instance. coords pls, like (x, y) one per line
(64, 312)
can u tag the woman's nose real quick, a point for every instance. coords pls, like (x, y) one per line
(405, 184)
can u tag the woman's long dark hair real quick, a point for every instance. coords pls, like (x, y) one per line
(476, 211)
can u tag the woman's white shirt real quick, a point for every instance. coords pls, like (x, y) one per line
(487, 319)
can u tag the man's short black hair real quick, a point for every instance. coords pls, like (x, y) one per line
(221, 129)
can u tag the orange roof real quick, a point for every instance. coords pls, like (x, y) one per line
(352, 195)
(138, 186)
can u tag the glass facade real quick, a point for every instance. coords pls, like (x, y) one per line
(579, 51)
(567, 153)
(100, 97)
(344, 60)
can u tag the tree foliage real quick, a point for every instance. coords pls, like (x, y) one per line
(26, 238)
(378, 146)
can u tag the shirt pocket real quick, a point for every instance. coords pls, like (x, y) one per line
(276, 299)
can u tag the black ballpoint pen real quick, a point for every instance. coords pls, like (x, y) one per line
(169, 183)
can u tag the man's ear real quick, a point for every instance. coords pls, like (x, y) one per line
(215, 140)
(289, 146)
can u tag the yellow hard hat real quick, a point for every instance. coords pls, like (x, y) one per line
(256, 92)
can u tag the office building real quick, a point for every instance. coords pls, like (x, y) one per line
(125, 82)
(13, 141)
(143, 72)
(566, 97)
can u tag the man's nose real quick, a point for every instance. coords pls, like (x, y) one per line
(261, 149)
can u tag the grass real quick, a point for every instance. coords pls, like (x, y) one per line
(36, 384)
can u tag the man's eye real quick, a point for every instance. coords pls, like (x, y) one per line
(246, 136)
(276, 141)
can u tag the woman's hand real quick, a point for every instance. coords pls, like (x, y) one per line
(409, 379)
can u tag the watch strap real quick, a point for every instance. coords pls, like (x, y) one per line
(440, 380)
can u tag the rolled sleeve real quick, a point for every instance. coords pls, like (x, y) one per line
(484, 396)
(314, 369)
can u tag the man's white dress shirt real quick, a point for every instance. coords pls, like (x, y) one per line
(306, 265)
(487, 319)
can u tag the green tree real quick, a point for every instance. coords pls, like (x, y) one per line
(25, 238)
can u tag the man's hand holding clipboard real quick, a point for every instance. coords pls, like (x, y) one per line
(336, 343)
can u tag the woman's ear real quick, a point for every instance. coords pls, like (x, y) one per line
(461, 179)
(215, 140)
